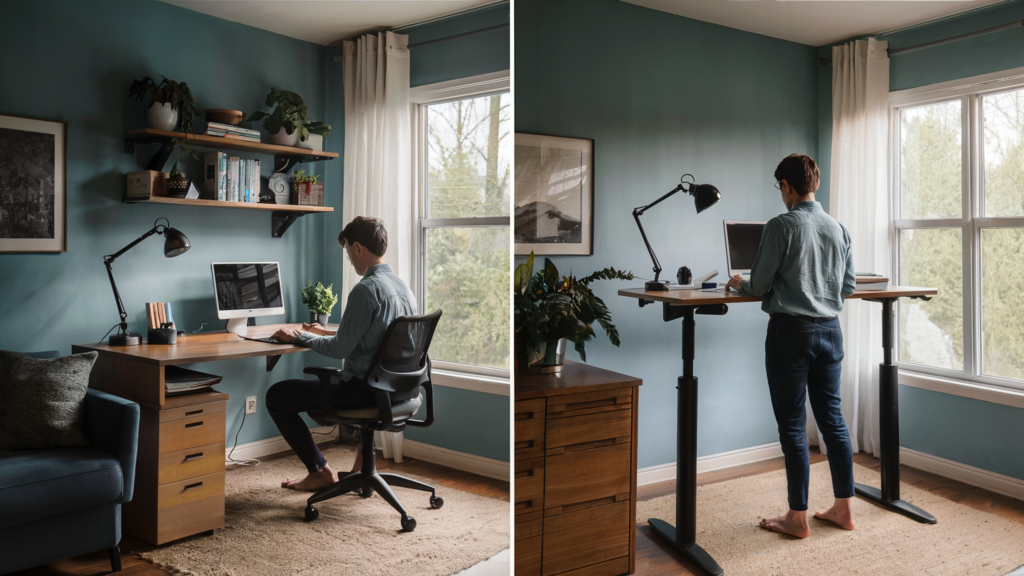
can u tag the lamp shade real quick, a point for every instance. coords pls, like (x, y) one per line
(177, 243)
(705, 196)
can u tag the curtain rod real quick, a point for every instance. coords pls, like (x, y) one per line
(458, 36)
(1019, 23)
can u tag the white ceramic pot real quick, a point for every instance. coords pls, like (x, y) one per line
(162, 116)
(315, 142)
(282, 138)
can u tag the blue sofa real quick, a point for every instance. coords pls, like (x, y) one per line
(66, 502)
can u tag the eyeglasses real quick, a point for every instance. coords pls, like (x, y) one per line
(778, 185)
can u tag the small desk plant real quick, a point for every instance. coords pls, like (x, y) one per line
(320, 300)
(551, 309)
(307, 190)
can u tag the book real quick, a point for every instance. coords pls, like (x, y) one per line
(243, 184)
(232, 191)
(222, 178)
(873, 282)
(246, 138)
(178, 380)
(231, 128)
(211, 182)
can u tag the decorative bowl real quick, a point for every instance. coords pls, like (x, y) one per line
(222, 116)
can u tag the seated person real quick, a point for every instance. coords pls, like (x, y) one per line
(373, 304)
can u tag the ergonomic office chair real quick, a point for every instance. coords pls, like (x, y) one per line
(400, 368)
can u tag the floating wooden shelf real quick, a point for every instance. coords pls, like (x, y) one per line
(219, 204)
(150, 136)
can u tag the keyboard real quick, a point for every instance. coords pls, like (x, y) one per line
(265, 340)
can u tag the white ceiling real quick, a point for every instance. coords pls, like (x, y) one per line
(814, 22)
(326, 22)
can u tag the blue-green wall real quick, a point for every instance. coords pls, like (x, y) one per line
(973, 432)
(662, 95)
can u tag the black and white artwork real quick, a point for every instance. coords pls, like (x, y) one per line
(32, 185)
(554, 194)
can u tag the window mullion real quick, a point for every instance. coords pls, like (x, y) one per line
(971, 284)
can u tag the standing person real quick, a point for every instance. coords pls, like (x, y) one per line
(803, 268)
(373, 304)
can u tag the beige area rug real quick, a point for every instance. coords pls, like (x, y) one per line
(265, 533)
(964, 542)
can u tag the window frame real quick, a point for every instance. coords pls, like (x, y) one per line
(419, 98)
(968, 91)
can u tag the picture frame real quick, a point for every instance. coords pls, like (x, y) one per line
(554, 195)
(33, 185)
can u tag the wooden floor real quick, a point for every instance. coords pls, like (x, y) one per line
(98, 563)
(654, 558)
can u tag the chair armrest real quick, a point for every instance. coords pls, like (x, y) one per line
(428, 388)
(326, 400)
(112, 425)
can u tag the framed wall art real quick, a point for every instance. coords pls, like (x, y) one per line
(33, 185)
(554, 195)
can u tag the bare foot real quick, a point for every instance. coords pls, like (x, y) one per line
(838, 514)
(312, 482)
(793, 523)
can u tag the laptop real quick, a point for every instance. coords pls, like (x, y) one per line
(742, 240)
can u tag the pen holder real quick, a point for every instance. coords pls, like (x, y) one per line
(165, 334)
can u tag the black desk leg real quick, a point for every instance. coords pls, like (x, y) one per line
(683, 536)
(889, 430)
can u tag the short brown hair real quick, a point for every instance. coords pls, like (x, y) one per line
(800, 171)
(369, 232)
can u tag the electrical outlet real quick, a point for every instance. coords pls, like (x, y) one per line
(250, 404)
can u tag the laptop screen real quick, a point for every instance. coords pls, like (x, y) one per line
(741, 241)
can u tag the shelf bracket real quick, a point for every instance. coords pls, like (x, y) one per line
(272, 361)
(280, 221)
(159, 160)
(129, 147)
(283, 163)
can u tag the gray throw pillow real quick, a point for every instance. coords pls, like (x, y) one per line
(42, 402)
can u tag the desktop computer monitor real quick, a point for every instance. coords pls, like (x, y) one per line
(245, 290)
(741, 242)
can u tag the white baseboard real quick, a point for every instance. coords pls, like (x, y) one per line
(263, 448)
(663, 472)
(459, 460)
(991, 481)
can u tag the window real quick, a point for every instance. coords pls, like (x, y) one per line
(958, 202)
(464, 145)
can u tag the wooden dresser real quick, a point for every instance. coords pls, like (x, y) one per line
(575, 472)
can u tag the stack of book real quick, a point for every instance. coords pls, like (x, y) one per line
(178, 380)
(231, 179)
(868, 281)
(229, 131)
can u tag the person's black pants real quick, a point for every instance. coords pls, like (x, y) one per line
(286, 399)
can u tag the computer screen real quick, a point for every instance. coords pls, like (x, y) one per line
(741, 242)
(247, 289)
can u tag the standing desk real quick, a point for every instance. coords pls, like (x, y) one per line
(179, 474)
(685, 304)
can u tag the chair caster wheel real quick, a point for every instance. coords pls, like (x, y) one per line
(436, 502)
(366, 492)
(408, 524)
(311, 513)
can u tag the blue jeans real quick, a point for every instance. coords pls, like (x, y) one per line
(802, 357)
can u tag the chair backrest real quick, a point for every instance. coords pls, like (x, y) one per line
(401, 363)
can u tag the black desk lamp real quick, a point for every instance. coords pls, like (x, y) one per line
(704, 196)
(175, 243)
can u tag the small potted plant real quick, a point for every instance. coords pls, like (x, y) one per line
(315, 133)
(285, 123)
(320, 301)
(551, 309)
(306, 189)
(177, 182)
(170, 102)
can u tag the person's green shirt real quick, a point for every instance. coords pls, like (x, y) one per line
(373, 304)
(804, 264)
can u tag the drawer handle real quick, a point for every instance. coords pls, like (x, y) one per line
(193, 413)
(525, 444)
(524, 473)
(191, 457)
(524, 416)
(194, 424)
(191, 486)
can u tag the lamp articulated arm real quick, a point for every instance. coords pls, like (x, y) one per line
(637, 212)
(109, 259)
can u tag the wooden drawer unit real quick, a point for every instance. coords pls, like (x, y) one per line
(190, 463)
(191, 432)
(575, 472)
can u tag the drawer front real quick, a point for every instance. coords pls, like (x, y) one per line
(529, 476)
(192, 411)
(615, 567)
(528, 556)
(529, 419)
(589, 402)
(587, 475)
(585, 538)
(190, 463)
(588, 428)
(189, 507)
(191, 432)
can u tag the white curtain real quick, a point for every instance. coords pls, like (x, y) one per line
(378, 156)
(858, 198)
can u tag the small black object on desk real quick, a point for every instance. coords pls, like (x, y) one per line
(165, 334)
(704, 196)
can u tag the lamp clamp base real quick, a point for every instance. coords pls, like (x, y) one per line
(126, 339)
(656, 286)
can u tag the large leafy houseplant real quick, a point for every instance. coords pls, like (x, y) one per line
(289, 113)
(168, 91)
(549, 307)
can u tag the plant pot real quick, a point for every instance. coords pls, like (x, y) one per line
(320, 319)
(307, 194)
(162, 116)
(554, 358)
(177, 187)
(283, 138)
(315, 142)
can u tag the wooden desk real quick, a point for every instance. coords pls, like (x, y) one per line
(179, 472)
(685, 304)
(575, 472)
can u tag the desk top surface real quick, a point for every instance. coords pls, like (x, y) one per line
(699, 297)
(206, 347)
